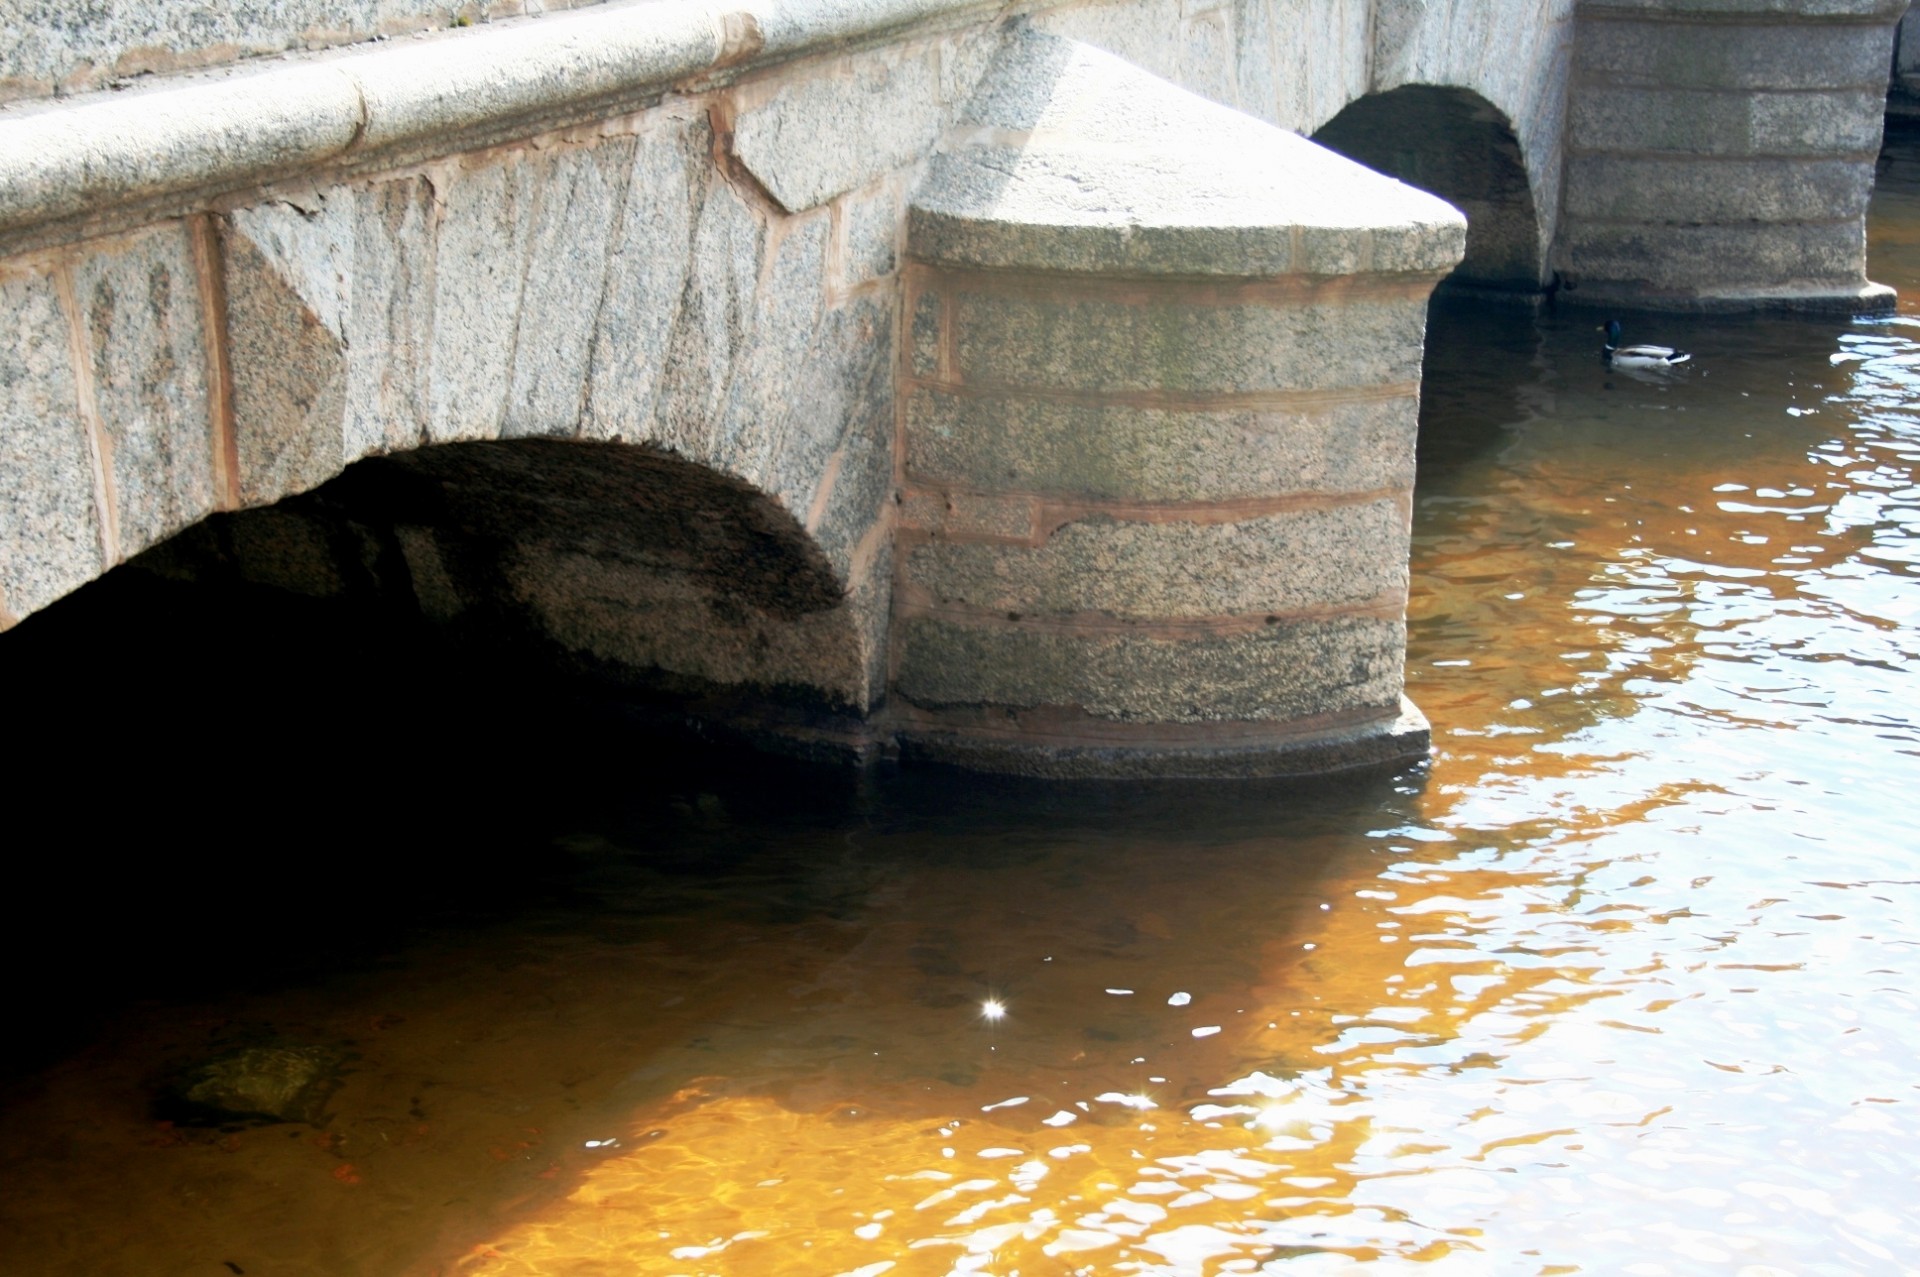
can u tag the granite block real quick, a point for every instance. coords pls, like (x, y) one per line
(479, 278)
(647, 274)
(821, 136)
(389, 327)
(760, 411)
(146, 341)
(871, 226)
(1685, 191)
(1705, 122)
(286, 349)
(713, 319)
(1739, 259)
(1297, 560)
(1096, 345)
(1766, 54)
(50, 540)
(578, 192)
(1139, 453)
(1277, 672)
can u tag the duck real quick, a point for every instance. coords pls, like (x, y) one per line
(1637, 356)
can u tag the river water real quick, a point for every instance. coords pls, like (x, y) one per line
(1626, 980)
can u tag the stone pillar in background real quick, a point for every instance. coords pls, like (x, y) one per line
(1721, 152)
(1159, 405)
(1903, 94)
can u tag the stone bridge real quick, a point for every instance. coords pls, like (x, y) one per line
(1009, 384)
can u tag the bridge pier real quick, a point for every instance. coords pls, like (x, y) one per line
(1159, 404)
(1720, 153)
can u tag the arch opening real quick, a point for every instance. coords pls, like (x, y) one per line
(610, 568)
(1455, 144)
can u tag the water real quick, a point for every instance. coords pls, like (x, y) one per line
(1625, 981)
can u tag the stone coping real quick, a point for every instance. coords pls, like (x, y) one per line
(203, 134)
(1073, 160)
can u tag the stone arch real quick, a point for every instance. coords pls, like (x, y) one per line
(622, 566)
(1455, 144)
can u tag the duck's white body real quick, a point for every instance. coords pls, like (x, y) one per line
(1645, 356)
(1638, 356)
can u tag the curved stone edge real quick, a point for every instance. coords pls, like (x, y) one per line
(1872, 299)
(214, 132)
(1070, 160)
(1393, 739)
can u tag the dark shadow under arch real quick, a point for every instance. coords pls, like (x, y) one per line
(279, 741)
(619, 568)
(1457, 145)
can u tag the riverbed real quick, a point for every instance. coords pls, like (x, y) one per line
(1625, 980)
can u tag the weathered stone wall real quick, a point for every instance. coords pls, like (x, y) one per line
(1721, 152)
(626, 284)
(439, 260)
(667, 239)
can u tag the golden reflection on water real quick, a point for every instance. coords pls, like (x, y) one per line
(1626, 986)
(1624, 982)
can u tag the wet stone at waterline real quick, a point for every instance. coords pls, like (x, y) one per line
(279, 1083)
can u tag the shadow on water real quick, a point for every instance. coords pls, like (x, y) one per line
(238, 789)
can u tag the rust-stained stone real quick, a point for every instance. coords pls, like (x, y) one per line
(969, 515)
(49, 525)
(1118, 451)
(1316, 558)
(140, 304)
(1097, 345)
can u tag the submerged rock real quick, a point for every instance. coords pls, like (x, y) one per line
(281, 1083)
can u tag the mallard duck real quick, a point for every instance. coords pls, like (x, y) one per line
(1637, 356)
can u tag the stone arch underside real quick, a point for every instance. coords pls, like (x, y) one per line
(1455, 144)
(622, 564)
